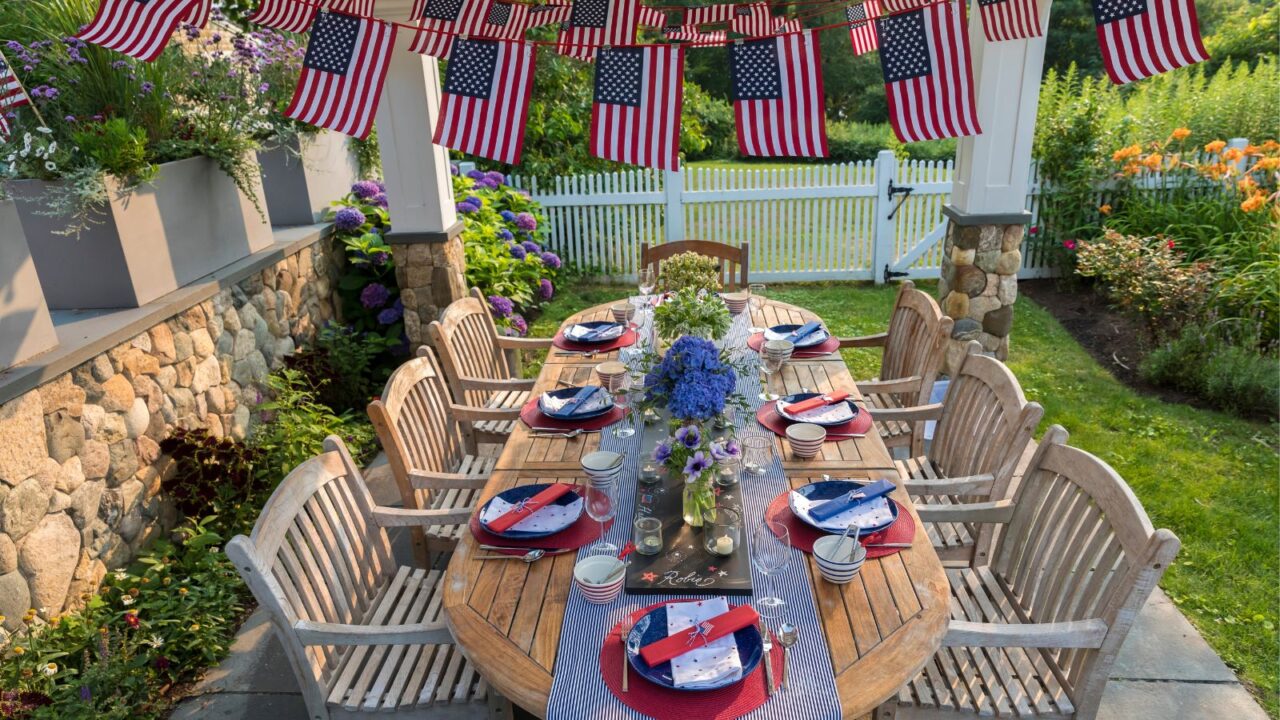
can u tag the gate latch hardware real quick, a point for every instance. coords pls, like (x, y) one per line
(904, 191)
(889, 275)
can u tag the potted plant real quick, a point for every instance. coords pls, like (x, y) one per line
(692, 311)
(691, 270)
(25, 327)
(145, 177)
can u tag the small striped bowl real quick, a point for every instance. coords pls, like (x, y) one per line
(588, 572)
(806, 439)
(623, 312)
(736, 302)
(832, 555)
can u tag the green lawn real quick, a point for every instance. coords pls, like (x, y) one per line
(1210, 477)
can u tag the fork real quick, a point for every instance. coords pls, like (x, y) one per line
(623, 631)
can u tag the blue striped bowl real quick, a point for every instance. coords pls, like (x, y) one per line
(832, 555)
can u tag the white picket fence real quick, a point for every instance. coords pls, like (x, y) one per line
(813, 222)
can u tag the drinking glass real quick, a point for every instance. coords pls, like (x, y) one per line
(757, 292)
(602, 505)
(646, 280)
(757, 454)
(770, 554)
(626, 398)
(769, 364)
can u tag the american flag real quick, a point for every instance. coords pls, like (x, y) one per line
(440, 20)
(137, 28)
(199, 15)
(1010, 19)
(776, 86)
(862, 28)
(296, 15)
(752, 20)
(783, 25)
(486, 98)
(342, 73)
(692, 35)
(510, 20)
(1141, 38)
(708, 15)
(924, 55)
(593, 24)
(635, 114)
(11, 96)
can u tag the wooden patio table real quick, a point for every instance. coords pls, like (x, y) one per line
(879, 630)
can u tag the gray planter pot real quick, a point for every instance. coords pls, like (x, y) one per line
(300, 182)
(190, 222)
(25, 327)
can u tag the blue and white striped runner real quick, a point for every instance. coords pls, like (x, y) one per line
(578, 691)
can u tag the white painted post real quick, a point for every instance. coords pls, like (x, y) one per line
(1243, 163)
(884, 229)
(673, 188)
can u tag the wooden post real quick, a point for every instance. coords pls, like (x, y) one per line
(884, 229)
(673, 187)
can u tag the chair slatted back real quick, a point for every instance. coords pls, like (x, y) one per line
(734, 260)
(415, 427)
(464, 338)
(1080, 547)
(917, 342)
(315, 554)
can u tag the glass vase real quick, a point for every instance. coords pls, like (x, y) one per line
(699, 500)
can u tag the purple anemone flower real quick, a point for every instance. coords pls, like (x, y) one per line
(689, 436)
(662, 452)
(698, 464)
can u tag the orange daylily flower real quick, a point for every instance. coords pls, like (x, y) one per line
(1153, 161)
(1270, 146)
(1215, 146)
(1181, 133)
(1246, 184)
(1267, 164)
(1254, 202)
(1105, 209)
(1127, 152)
(1232, 154)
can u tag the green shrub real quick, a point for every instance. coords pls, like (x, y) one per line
(1229, 372)
(343, 368)
(690, 270)
(214, 476)
(294, 425)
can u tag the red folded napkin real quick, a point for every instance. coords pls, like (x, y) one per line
(525, 508)
(816, 402)
(692, 637)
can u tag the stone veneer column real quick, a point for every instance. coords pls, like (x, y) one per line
(979, 284)
(430, 275)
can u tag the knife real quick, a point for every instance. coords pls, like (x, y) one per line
(767, 639)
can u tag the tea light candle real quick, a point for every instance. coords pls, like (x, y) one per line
(649, 473)
(649, 545)
(724, 545)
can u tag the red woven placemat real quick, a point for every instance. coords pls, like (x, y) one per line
(803, 535)
(662, 703)
(534, 418)
(583, 531)
(768, 416)
(626, 339)
(830, 345)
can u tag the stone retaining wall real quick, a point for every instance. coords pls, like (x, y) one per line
(81, 475)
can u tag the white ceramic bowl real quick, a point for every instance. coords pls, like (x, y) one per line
(779, 349)
(736, 302)
(622, 314)
(612, 374)
(588, 573)
(832, 555)
(806, 439)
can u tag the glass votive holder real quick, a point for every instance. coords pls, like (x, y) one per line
(727, 473)
(650, 473)
(757, 454)
(722, 531)
(647, 535)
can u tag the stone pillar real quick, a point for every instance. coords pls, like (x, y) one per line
(979, 284)
(430, 275)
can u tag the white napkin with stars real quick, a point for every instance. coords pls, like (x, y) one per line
(705, 665)
(577, 332)
(817, 337)
(544, 519)
(837, 413)
(598, 400)
(863, 515)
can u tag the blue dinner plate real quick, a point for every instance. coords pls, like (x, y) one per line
(566, 393)
(652, 627)
(780, 332)
(596, 325)
(516, 494)
(797, 397)
(828, 490)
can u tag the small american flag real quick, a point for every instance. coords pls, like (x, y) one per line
(783, 25)
(776, 86)
(594, 24)
(343, 72)
(635, 115)
(297, 15)
(486, 98)
(1010, 19)
(862, 29)
(11, 96)
(138, 28)
(708, 15)
(510, 20)
(692, 35)
(752, 20)
(1141, 38)
(199, 16)
(440, 20)
(924, 55)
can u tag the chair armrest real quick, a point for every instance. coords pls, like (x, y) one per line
(865, 341)
(323, 633)
(387, 517)
(466, 412)
(997, 511)
(885, 387)
(475, 383)
(1071, 634)
(526, 343)
(908, 414)
(965, 485)
(426, 480)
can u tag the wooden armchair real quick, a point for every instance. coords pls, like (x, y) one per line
(733, 259)
(915, 347)
(362, 634)
(473, 356)
(984, 425)
(432, 450)
(1035, 631)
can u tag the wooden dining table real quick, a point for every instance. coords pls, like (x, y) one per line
(879, 629)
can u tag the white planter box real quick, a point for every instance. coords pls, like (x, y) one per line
(190, 222)
(300, 183)
(25, 327)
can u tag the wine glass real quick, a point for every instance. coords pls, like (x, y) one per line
(757, 292)
(769, 364)
(602, 505)
(770, 554)
(646, 280)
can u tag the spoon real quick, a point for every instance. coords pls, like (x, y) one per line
(788, 635)
(556, 433)
(531, 556)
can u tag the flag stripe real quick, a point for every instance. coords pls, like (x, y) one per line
(139, 30)
(646, 134)
(1163, 37)
(1010, 20)
(794, 124)
(863, 36)
(492, 127)
(940, 102)
(347, 103)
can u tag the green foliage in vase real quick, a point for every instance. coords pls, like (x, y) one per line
(692, 312)
(690, 270)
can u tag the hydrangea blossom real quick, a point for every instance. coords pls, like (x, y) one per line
(380, 200)
(374, 296)
(379, 258)
(520, 325)
(526, 222)
(531, 246)
(545, 289)
(505, 234)
(508, 216)
(502, 307)
(348, 219)
(692, 380)
(495, 177)
(518, 252)
(365, 189)
(475, 174)
(391, 314)
(467, 208)
(551, 260)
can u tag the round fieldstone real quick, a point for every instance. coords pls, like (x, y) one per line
(986, 259)
(201, 343)
(961, 256)
(1012, 237)
(207, 374)
(183, 347)
(137, 419)
(117, 394)
(956, 305)
(990, 237)
(124, 462)
(24, 507)
(72, 475)
(102, 368)
(967, 236)
(1008, 289)
(48, 557)
(981, 305)
(966, 329)
(970, 280)
(62, 394)
(95, 459)
(162, 344)
(1009, 263)
(15, 599)
(998, 322)
(22, 437)
(65, 435)
(84, 503)
(8, 555)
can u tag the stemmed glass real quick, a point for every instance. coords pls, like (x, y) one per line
(769, 364)
(757, 292)
(646, 280)
(602, 505)
(770, 554)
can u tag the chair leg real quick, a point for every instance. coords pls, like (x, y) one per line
(499, 707)
(887, 711)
